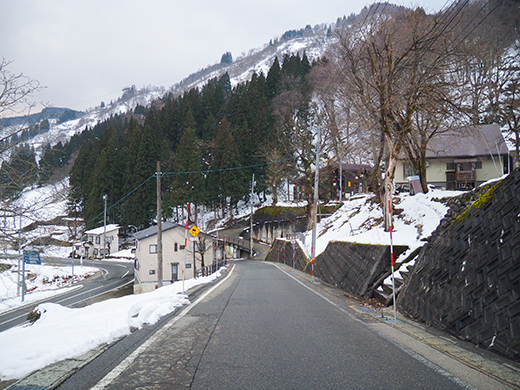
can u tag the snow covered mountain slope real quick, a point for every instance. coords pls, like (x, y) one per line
(313, 41)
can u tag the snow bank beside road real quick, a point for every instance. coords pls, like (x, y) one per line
(63, 333)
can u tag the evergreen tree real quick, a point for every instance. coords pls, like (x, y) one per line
(141, 206)
(227, 181)
(227, 58)
(107, 179)
(80, 176)
(188, 185)
(273, 79)
(21, 171)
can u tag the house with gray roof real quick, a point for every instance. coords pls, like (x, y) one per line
(461, 159)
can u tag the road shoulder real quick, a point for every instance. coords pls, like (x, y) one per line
(482, 369)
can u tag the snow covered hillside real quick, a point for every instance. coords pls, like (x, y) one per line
(312, 41)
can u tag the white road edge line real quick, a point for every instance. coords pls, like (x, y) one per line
(131, 358)
(406, 350)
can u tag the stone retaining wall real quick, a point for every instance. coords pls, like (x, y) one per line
(466, 280)
(354, 268)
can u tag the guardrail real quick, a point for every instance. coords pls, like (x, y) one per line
(211, 269)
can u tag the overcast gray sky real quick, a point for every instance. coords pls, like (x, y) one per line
(86, 51)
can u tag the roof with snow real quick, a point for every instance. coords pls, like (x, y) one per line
(101, 229)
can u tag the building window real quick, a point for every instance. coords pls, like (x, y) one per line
(95, 251)
(408, 170)
(478, 165)
(153, 248)
(175, 247)
(450, 166)
(151, 272)
(182, 247)
(98, 240)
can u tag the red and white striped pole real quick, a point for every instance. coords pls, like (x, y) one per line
(293, 252)
(216, 253)
(392, 259)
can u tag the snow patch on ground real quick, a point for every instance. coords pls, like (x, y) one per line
(63, 332)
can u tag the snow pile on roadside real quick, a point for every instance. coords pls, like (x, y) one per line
(43, 281)
(63, 333)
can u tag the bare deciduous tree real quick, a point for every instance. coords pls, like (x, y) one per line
(15, 93)
(293, 112)
(390, 67)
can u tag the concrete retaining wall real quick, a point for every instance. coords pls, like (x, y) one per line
(269, 231)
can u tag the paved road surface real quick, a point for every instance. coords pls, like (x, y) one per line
(262, 328)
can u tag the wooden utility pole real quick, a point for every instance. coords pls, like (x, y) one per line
(251, 219)
(159, 228)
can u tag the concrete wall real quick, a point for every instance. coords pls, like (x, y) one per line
(269, 231)
(467, 278)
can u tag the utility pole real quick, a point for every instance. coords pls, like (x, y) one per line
(392, 259)
(185, 245)
(159, 228)
(316, 184)
(251, 219)
(105, 227)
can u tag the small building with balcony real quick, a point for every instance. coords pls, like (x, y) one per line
(461, 159)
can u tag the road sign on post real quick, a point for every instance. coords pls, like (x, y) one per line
(194, 231)
(31, 257)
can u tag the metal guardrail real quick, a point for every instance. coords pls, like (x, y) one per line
(211, 269)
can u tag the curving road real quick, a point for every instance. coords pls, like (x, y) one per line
(112, 275)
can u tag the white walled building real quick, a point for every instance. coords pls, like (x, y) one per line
(173, 253)
(101, 239)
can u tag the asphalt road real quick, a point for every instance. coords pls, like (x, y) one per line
(262, 328)
(113, 275)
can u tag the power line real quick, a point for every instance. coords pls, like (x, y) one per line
(187, 173)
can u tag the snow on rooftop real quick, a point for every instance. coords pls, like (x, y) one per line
(101, 229)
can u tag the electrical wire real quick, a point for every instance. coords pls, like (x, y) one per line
(187, 173)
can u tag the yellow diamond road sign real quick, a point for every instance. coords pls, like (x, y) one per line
(194, 231)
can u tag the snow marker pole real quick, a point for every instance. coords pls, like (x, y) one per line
(217, 254)
(293, 252)
(392, 260)
(23, 280)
